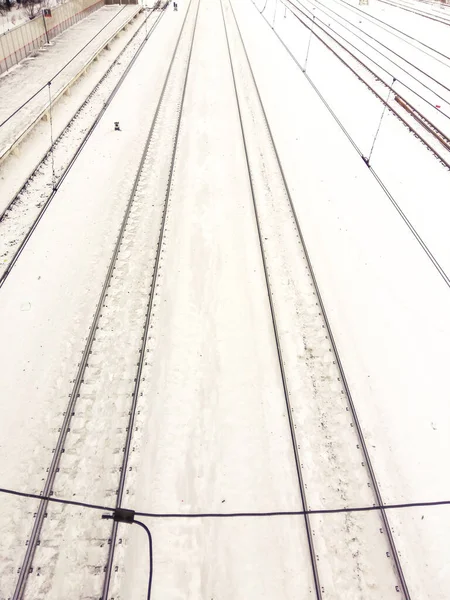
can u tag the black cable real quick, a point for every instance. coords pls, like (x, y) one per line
(60, 70)
(125, 515)
(278, 513)
(365, 66)
(150, 552)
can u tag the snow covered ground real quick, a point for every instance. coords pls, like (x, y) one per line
(17, 167)
(389, 307)
(25, 79)
(212, 429)
(60, 322)
(17, 15)
(421, 73)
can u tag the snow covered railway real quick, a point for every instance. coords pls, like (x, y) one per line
(413, 9)
(103, 402)
(391, 53)
(22, 214)
(350, 556)
(421, 126)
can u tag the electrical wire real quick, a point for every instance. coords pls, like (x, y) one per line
(318, 19)
(127, 516)
(365, 66)
(390, 197)
(417, 12)
(60, 70)
(211, 515)
(366, 15)
(376, 49)
(150, 552)
(318, 4)
(51, 135)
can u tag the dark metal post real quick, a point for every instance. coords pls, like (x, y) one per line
(45, 27)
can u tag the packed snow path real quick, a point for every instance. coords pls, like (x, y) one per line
(199, 245)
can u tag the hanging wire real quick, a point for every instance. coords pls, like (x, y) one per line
(309, 43)
(275, 13)
(121, 515)
(379, 124)
(51, 136)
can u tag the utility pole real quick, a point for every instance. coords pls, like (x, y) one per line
(44, 12)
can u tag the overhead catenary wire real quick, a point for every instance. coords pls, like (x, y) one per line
(51, 135)
(417, 12)
(60, 70)
(318, 4)
(391, 26)
(376, 50)
(427, 123)
(381, 120)
(78, 151)
(326, 10)
(372, 60)
(383, 55)
(388, 194)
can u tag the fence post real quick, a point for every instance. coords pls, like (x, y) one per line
(45, 27)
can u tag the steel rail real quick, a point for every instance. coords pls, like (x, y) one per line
(86, 137)
(405, 60)
(53, 469)
(301, 484)
(140, 365)
(351, 405)
(74, 117)
(417, 12)
(335, 16)
(376, 20)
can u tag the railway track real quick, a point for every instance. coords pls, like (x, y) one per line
(23, 213)
(429, 134)
(421, 13)
(397, 207)
(110, 369)
(331, 455)
(359, 34)
(379, 22)
(402, 101)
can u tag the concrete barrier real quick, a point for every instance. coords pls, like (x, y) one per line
(18, 43)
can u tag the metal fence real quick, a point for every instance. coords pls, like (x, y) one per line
(20, 42)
